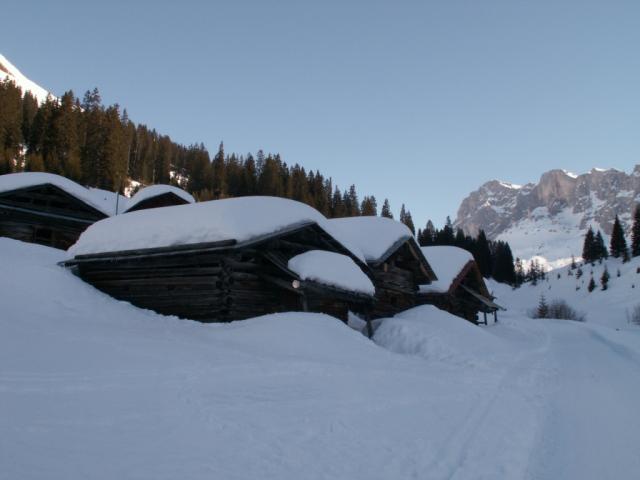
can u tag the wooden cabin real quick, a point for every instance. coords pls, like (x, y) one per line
(222, 260)
(394, 257)
(460, 288)
(155, 196)
(48, 209)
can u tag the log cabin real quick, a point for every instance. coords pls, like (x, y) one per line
(155, 196)
(49, 209)
(460, 288)
(394, 257)
(225, 260)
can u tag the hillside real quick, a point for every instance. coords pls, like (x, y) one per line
(9, 71)
(95, 388)
(548, 219)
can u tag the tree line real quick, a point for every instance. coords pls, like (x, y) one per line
(494, 258)
(99, 146)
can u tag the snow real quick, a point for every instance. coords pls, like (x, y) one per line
(447, 262)
(157, 190)
(374, 236)
(99, 199)
(332, 269)
(8, 70)
(512, 186)
(436, 335)
(241, 219)
(91, 387)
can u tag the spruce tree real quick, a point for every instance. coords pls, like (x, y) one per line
(543, 308)
(618, 245)
(482, 254)
(635, 233)
(592, 285)
(604, 279)
(588, 247)
(599, 247)
(408, 221)
(386, 209)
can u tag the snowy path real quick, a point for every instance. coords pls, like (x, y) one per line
(591, 428)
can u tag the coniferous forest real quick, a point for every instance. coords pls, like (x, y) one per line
(100, 146)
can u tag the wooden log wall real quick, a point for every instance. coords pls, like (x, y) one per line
(210, 287)
(395, 290)
(33, 228)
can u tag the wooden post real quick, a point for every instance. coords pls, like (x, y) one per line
(485, 317)
(495, 316)
(305, 305)
(369, 327)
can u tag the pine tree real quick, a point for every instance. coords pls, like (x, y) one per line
(573, 263)
(599, 247)
(219, 177)
(604, 279)
(503, 265)
(482, 254)
(618, 245)
(369, 206)
(635, 233)
(588, 247)
(520, 273)
(386, 209)
(408, 221)
(543, 308)
(592, 285)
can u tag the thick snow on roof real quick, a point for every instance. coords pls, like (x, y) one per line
(446, 262)
(332, 269)
(241, 219)
(374, 236)
(100, 199)
(157, 190)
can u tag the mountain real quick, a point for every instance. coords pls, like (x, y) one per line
(8, 70)
(548, 219)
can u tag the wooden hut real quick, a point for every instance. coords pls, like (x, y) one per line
(49, 209)
(395, 259)
(460, 288)
(155, 196)
(224, 260)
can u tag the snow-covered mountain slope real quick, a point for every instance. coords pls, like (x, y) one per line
(610, 307)
(8, 70)
(91, 387)
(549, 219)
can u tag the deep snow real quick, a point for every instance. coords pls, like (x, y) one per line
(91, 387)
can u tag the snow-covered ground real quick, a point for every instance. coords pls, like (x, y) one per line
(91, 387)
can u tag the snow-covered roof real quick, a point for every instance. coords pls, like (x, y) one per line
(241, 219)
(374, 236)
(99, 199)
(447, 262)
(155, 191)
(333, 269)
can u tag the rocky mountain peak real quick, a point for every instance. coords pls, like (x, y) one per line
(555, 211)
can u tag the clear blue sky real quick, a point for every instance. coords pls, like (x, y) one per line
(418, 101)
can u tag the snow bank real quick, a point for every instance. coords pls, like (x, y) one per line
(374, 236)
(98, 199)
(332, 269)
(241, 219)
(447, 262)
(436, 335)
(157, 190)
